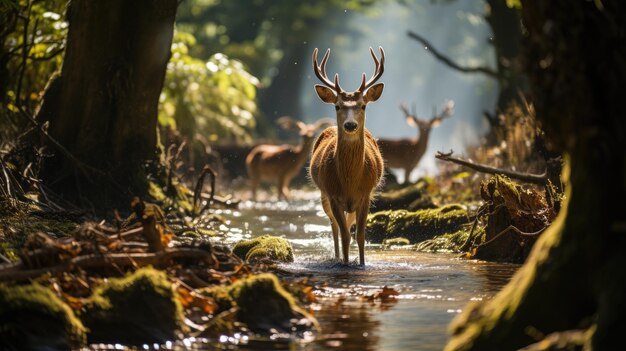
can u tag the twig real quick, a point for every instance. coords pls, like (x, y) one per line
(448, 62)
(540, 179)
(515, 230)
(14, 271)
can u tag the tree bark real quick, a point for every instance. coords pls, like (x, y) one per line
(104, 107)
(574, 277)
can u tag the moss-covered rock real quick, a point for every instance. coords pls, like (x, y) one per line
(266, 246)
(33, 317)
(262, 303)
(140, 308)
(396, 241)
(449, 242)
(416, 226)
(411, 197)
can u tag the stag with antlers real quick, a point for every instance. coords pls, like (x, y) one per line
(281, 163)
(346, 164)
(407, 153)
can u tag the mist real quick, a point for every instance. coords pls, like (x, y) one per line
(412, 74)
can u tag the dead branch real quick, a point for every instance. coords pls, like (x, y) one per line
(540, 179)
(15, 272)
(448, 62)
(198, 190)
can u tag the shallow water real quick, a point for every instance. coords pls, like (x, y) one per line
(433, 288)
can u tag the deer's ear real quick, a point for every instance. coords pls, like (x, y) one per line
(374, 92)
(326, 94)
(435, 123)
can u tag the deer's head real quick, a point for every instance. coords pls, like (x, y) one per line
(306, 131)
(425, 125)
(350, 106)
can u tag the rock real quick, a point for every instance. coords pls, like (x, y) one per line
(262, 304)
(137, 309)
(266, 246)
(416, 226)
(33, 317)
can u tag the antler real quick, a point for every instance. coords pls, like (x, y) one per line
(405, 110)
(378, 72)
(320, 72)
(323, 122)
(446, 111)
(287, 122)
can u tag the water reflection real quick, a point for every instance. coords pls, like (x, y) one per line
(433, 287)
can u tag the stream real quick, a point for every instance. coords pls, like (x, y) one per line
(433, 288)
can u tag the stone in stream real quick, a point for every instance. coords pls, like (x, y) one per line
(262, 304)
(416, 226)
(266, 246)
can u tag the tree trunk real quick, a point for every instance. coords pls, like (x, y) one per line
(104, 107)
(575, 277)
(506, 27)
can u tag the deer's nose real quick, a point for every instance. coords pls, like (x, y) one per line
(350, 126)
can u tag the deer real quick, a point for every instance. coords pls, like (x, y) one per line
(346, 164)
(281, 163)
(407, 153)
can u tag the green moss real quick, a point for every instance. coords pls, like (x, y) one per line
(416, 226)
(15, 227)
(449, 242)
(266, 246)
(140, 308)
(33, 317)
(396, 241)
(263, 304)
(411, 197)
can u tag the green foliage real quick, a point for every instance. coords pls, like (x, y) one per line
(260, 33)
(36, 30)
(213, 98)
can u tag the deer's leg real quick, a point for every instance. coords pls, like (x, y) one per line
(350, 220)
(254, 184)
(285, 187)
(333, 223)
(340, 217)
(407, 174)
(361, 220)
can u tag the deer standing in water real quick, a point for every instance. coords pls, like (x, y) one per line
(346, 164)
(407, 153)
(281, 163)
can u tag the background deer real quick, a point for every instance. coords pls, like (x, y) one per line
(407, 153)
(281, 163)
(346, 164)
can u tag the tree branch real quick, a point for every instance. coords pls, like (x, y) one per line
(448, 62)
(540, 179)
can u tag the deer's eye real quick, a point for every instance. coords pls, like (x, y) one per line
(336, 107)
(363, 107)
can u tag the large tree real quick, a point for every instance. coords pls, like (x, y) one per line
(573, 285)
(101, 111)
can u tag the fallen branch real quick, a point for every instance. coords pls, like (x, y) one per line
(448, 62)
(15, 271)
(540, 179)
(198, 190)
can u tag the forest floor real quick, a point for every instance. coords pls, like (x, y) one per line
(81, 275)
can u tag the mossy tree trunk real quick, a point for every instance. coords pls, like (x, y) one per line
(103, 107)
(574, 277)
